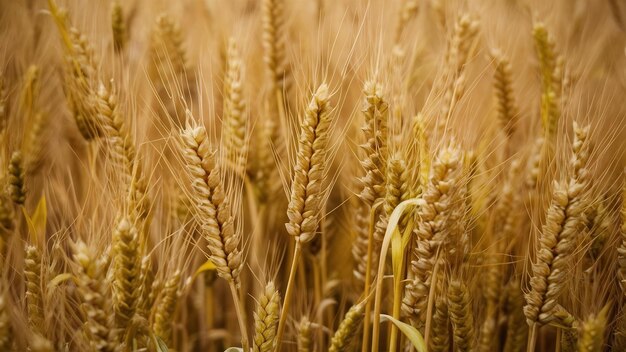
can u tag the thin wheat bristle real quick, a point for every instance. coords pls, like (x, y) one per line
(621, 250)
(266, 319)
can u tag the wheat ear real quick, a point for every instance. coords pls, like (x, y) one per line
(16, 186)
(550, 82)
(214, 213)
(168, 53)
(234, 124)
(372, 183)
(126, 275)
(460, 308)
(433, 220)
(266, 319)
(440, 337)
(34, 292)
(307, 193)
(209, 199)
(592, 331)
(305, 340)
(508, 112)
(7, 219)
(274, 43)
(164, 314)
(6, 330)
(120, 36)
(93, 293)
(347, 329)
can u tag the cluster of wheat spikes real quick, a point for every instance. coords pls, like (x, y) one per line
(328, 175)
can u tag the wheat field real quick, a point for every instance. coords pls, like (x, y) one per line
(327, 175)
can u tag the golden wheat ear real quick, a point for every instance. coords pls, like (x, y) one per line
(266, 319)
(214, 213)
(118, 26)
(347, 329)
(94, 296)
